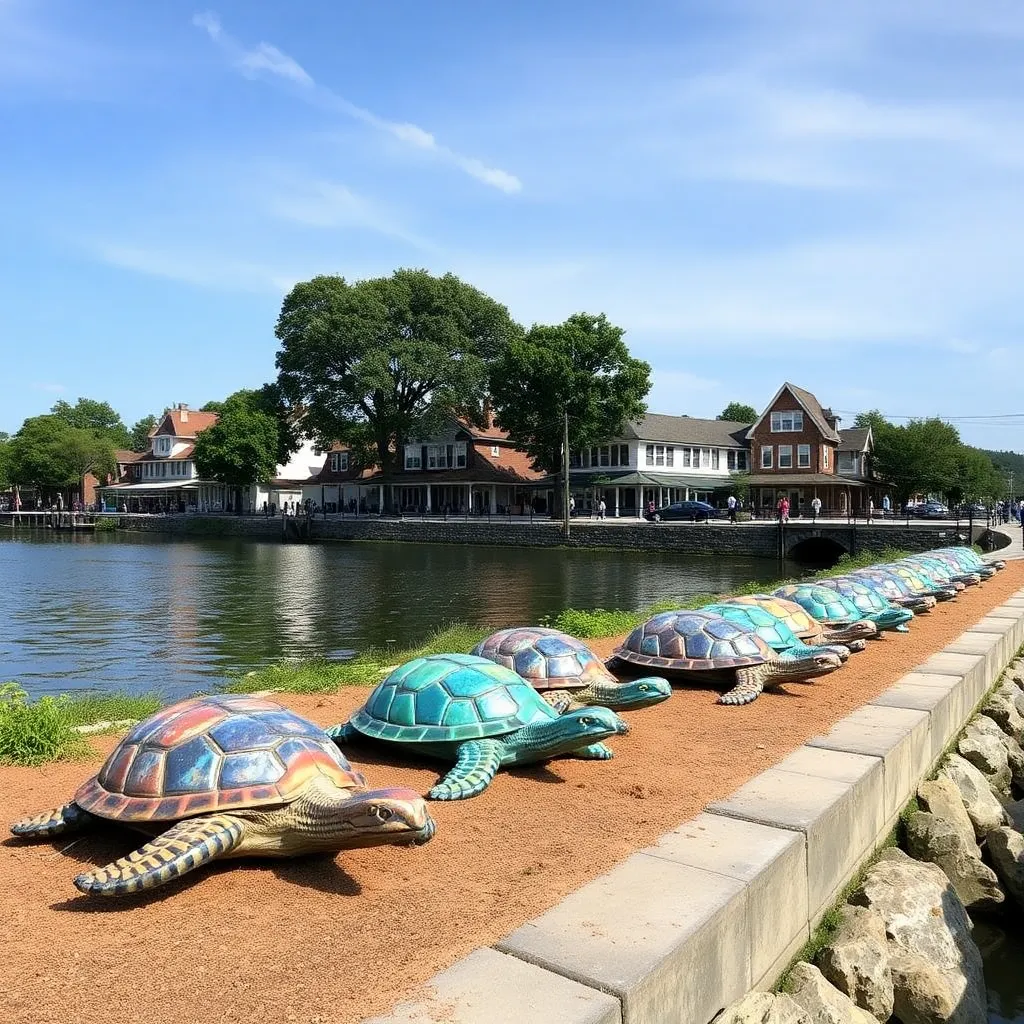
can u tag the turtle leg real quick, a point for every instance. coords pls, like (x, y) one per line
(477, 763)
(181, 849)
(749, 684)
(58, 822)
(342, 734)
(593, 752)
(561, 700)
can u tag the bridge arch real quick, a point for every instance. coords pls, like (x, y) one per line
(817, 549)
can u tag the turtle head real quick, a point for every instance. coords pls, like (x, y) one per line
(891, 618)
(366, 817)
(627, 696)
(564, 733)
(798, 665)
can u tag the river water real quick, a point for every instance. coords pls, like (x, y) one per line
(141, 613)
(1003, 953)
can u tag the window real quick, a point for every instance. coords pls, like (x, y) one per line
(659, 455)
(670, 455)
(714, 458)
(803, 456)
(604, 456)
(496, 453)
(824, 456)
(650, 455)
(766, 456)
(339, 462)
(623, 454)
(686, 458)
(575, 459)
(785, 456)
(460, 454)
(846, 462)
(787, 422)
(736, 460)
(413, 456)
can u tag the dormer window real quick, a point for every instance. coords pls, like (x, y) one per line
(162, 446)
(787, 422)
(339, 462)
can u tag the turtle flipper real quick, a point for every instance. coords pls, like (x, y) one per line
(182, 848)
(342, 734)
(593, 752)
(58, 822)
(749, 684)
(478, 762)
(561, 700)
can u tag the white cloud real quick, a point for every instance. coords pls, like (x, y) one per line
(265, 58)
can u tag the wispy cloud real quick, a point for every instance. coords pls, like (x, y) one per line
(51, 389)
(265, 59)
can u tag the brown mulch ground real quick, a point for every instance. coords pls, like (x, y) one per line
(339, 939)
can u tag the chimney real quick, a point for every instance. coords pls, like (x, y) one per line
(488, 413)
(183, 409)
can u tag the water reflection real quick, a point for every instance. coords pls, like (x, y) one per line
(1003, 953)
(142, 612)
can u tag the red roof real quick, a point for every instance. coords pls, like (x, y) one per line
(124, 455)
(489, 432)
(511, 463)
(184, 422)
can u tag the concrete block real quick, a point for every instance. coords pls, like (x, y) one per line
(489, 987)
(669, 940)
(989, 646)
(835, 798)
(972, 668)
(771, 862)
(1009, 625)
(899, 736)
(945, 699)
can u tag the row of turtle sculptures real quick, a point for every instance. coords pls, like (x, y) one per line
(237, 775)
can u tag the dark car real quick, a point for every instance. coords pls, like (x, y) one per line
(932, 510)
(691, 511)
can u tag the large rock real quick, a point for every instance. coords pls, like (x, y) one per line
(1006, 849)
(936, 967)
(856, 961)
(1003, 708)
(984, 810)
(820, 1001)
(763, 1008)
(1015, 812)
(1014, 751)
(985, 749)
(941, 797)
(937, 841)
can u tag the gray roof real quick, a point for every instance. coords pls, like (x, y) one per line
(814, 410)
(854, 440)
(688, 430)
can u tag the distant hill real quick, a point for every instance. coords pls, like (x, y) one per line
(1007, 461)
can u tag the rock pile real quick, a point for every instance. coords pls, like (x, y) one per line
(903, 948)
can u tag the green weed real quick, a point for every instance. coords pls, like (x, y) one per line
(37, 731)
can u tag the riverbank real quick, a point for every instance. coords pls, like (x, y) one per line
(321, 934)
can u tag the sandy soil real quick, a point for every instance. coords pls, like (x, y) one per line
(338, 939)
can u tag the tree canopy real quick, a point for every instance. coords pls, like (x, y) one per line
(48, 453)
(139, 440)
(99, 417)
(581, 366)
(872, 418)
(737, 412)
(248, 441)
(382, 361)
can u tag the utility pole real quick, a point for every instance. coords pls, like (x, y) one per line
(565, 473)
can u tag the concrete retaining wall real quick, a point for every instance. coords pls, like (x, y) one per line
(721, 905)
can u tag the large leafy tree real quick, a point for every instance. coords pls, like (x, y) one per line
(737, 412)
(99, 417)
(872, 418)
(249, 440)
(5, 459)
(50, 454)
(379, 362)
(920, 456)
(976, 477)
(581, 367)
(139, 439)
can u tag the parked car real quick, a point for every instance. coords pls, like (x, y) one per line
(932, 510)
(691, 511)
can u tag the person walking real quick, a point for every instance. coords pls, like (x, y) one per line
(886, 505)
(601, 509)
(815, 508)
(871, 508)
(784, 509)
(572, 506)
(731, 503)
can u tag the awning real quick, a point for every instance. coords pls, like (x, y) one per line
(175, 485)
(641, 479)
(803, 480)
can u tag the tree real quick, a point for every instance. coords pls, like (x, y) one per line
(99, 417)
(922, 456)
(50, 454)
(975, 477)
(581, 367)
(737, 412)
(139, 440)
(5, 460)
(872, 418)
(383, 361)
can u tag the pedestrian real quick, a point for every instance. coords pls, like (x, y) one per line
(572, 505)
(871, 508)
(731, 503)
(886, 505)
(785, 509)
(650, 508)
(815, 508)
(601, 509)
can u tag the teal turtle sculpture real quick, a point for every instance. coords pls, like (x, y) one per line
(937, 573)
(916, 583)
(566, 672)
(867, 600)
(958, 560)
(827, 605)
(970, 559)
(703, 646)
(227, 776)
(772, 630)
(481, 715)
(893, 588)
(940, 569)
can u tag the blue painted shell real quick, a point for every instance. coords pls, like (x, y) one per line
(693, 641)
(820, 602)
(771, 629)
(450, 697)
(865, 598)
(547, 658)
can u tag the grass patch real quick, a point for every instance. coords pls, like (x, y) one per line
(106, 524)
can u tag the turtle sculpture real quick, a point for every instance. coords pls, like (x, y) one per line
(827, 605)
(773, 631)
(957, 559)
(917, 583)
(867, 600)
(852, 636)
(701, 645)
(934, 572)
(940, 567)
(228, 776)
(970, 558)
(481, 715)
(893, 588)
(566, 672)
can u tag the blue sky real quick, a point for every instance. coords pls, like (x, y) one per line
(756, 190)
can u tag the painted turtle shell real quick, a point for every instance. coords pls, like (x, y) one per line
(822, 603)
(970, 559)
(891, 586)
(771, 629)
(960, 564)
(788, 612)
(938, 567)
(693, 641)
(917, 583)
(547, 658)
(933, 571)
(213, 754)
(450, 697)
(864, 598)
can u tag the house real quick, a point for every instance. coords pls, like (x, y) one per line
(659, 459)
(798, 450)
(289, 482)
(339, 485)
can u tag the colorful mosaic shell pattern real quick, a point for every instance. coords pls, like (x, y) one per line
(773, 631)
(964, 560)
(913, 579)
(863, 597)
(213, 753)
(932, 569)
(450, 697)
(693, 641)
(788, 612)
(889, 583)
(546, 658)
(823, 604)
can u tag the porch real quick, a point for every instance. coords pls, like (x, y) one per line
(155, 497)
(628, 494)
(840, 496)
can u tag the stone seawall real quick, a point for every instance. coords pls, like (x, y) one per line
(758, 539)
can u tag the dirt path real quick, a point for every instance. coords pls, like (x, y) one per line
(338, 939)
